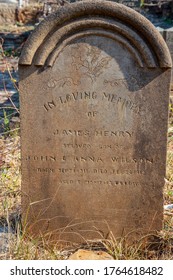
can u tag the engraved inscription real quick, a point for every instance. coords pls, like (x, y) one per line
(88, 146)
(114, 98)
(92, 114)
(66, 81)
(86, 159)
(77, 146)
(116, 166)
(89, 158)
(130, 82)
(95, 133)
(115, 82)
(49, 105)
(100, 171)
(108, 147)
(130, 160)
(100, 182)
(92, 95)
(45, 170)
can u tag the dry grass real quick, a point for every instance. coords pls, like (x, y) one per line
(10, 175)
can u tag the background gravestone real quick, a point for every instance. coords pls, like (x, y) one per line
(94, 95)
(168, 36)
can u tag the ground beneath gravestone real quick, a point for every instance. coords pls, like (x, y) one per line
(14, 243)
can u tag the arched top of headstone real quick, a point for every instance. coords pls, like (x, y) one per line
(99, 18)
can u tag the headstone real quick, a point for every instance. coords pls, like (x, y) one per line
(131, 3)
(94, 94)
(168, 36)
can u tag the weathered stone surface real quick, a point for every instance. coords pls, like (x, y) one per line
(90, 255)
(94, 96)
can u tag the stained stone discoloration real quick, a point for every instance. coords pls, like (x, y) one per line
(94, 123)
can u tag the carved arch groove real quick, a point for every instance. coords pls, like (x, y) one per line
(106, 19)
